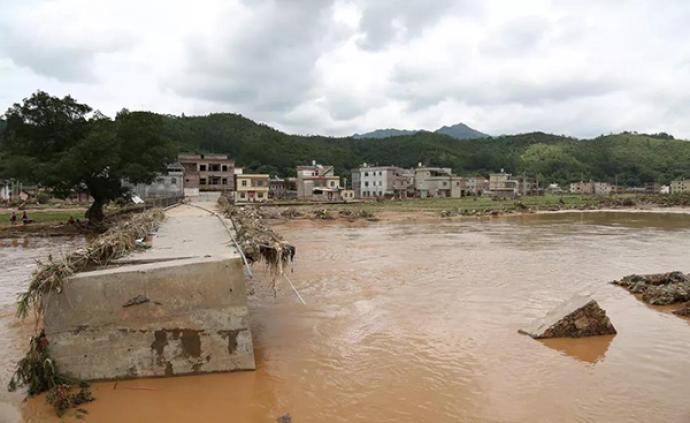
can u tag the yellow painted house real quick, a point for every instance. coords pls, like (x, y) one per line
(251, 188)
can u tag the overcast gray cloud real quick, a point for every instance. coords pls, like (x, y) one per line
(343, 66)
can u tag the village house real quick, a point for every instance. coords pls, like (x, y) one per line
(589, 188)
(166, 184)
(347, 195)
(318, 183)
(680, 186)
(6, 189)
(381, 181)
(554, 189)
(277, 188)
(437, 182)
(476, 185)
(502, 185)
(602, 188)
(251, 188)
(207, 172)
(528, 186)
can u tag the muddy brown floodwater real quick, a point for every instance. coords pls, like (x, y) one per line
(416, 321)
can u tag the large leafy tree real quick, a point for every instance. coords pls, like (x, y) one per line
(61, 144)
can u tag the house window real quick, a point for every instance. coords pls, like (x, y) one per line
(243, 195)
(215, 167)
(332, 183)
(259, 183)
(366, 173)
(244, 182)
(225, 168)
(173, 181)
(202, 181)
(224, 181)
(366, 183)
(202, 168)
(445, 183)
(261, 195)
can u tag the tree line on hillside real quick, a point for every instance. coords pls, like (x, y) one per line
(62, 144)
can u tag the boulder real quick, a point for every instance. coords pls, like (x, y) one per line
(580, 316)
(684, 310)
(658, 289)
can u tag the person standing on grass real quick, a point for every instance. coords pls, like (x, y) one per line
(13, 218)
(25, 218)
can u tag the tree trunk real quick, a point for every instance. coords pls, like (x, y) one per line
(95, 212)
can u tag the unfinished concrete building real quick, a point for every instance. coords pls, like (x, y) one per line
(317, 183)
(437, 182)
(207, 172)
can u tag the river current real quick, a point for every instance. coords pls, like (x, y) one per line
(416, 321)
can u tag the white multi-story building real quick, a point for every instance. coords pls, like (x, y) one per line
(381, 181)
(679, 186)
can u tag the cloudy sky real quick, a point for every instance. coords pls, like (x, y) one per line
(579, 68)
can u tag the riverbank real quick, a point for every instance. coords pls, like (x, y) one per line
(395, 210)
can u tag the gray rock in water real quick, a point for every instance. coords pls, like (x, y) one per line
(580, 316)
(658, 289)
(684, 310)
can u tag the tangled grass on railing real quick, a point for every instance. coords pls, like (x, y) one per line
(37, 370)
(257, 241)
(113, 244)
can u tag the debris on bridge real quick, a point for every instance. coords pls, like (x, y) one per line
(258, 241)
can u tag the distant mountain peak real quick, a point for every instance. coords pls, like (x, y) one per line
(386, 133)
(459, 131)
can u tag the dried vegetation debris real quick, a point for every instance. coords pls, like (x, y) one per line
(257, 241)
(115, 243)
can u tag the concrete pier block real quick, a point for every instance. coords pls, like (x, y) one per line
(166, 317)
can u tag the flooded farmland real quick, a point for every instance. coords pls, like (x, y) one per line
(417, 320)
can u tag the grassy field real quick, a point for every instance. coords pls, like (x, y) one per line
(476, 203)
(44, 216)
(483, 205)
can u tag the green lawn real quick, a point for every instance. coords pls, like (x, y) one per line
(44, 216)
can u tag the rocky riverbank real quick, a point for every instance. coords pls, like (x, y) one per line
(660, 289)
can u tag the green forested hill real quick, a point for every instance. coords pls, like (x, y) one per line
(631, 159)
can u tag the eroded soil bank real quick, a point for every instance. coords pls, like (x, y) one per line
(416, 320)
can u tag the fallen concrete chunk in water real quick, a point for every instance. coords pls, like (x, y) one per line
(658, 289)
(580, 316)
(683, 311)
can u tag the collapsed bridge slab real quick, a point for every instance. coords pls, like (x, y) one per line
(177, 308)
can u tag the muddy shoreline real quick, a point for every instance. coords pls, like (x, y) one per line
(314, 213)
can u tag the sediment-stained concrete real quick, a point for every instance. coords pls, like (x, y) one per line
(177, 308)
(577, 317)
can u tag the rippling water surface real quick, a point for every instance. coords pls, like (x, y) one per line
(411, 322)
